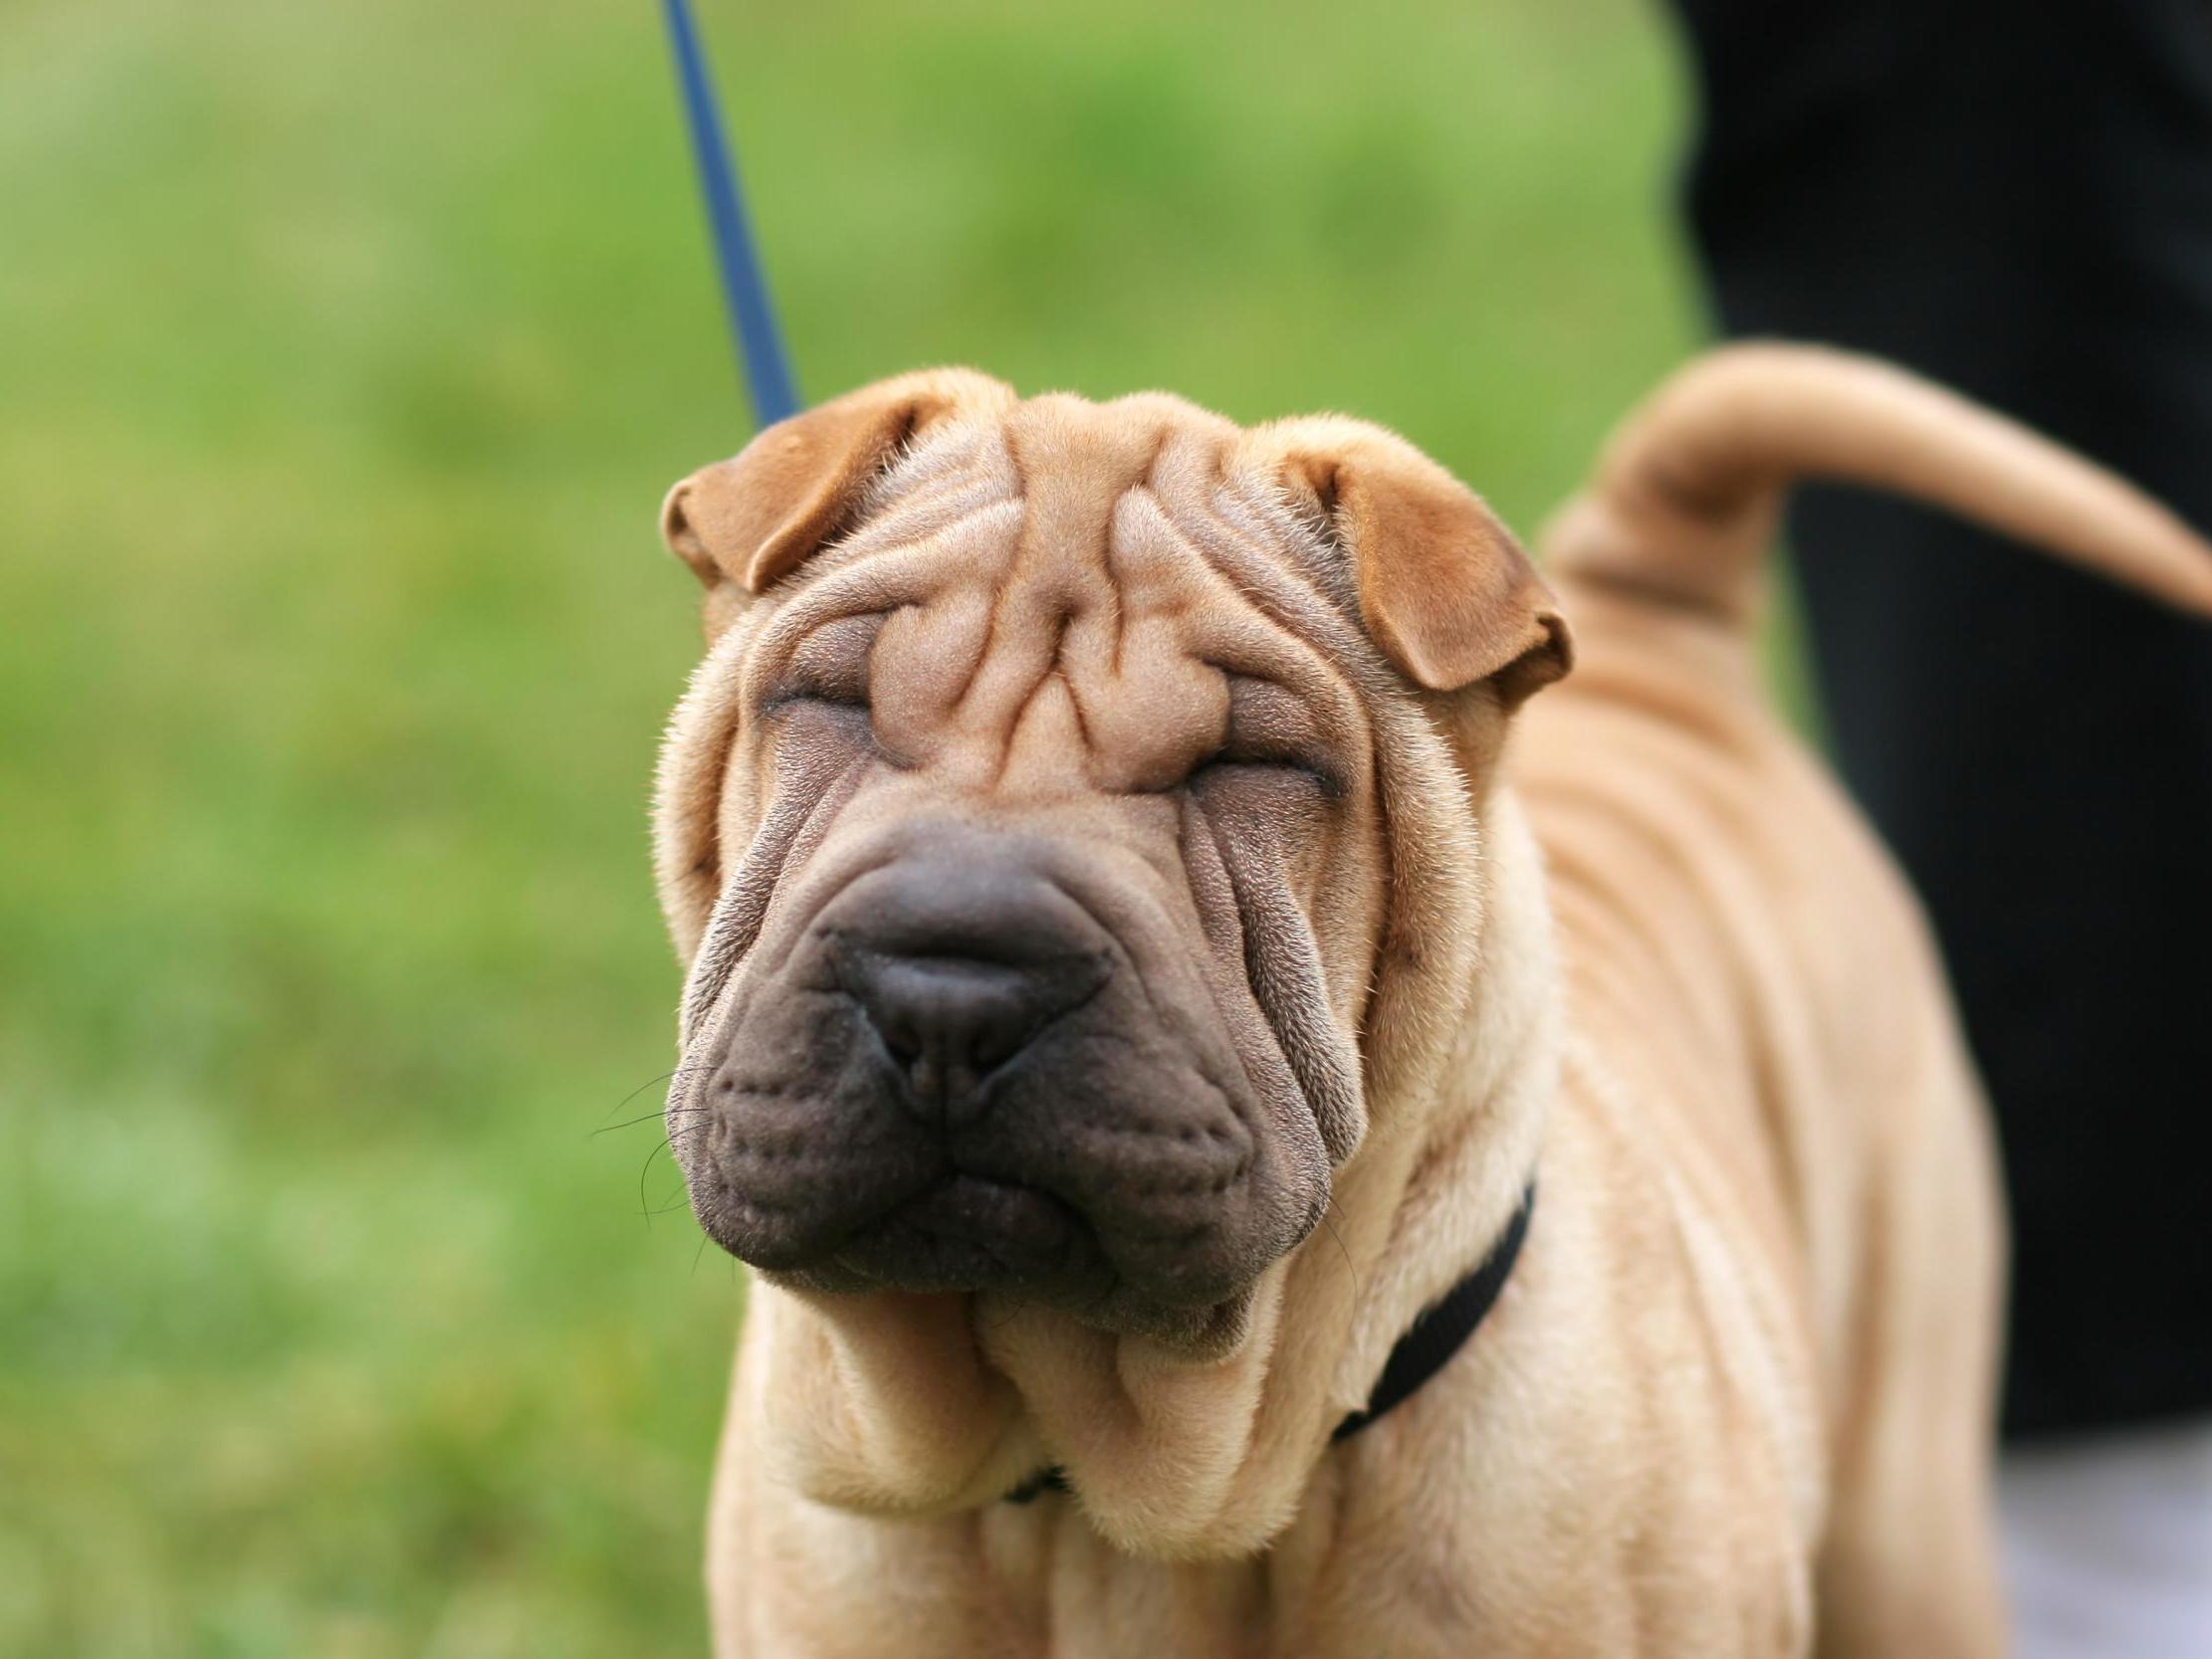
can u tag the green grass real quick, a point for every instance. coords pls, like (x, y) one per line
(345, 352)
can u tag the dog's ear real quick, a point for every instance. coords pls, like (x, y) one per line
(1444, 588)
(743, 524)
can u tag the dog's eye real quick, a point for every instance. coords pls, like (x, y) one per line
(1236, 758)
(1270, 729)
(830, 665)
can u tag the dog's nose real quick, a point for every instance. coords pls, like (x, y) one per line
(959, 967)
(951, 1021)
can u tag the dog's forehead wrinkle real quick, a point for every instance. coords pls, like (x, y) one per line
(1271, 514)
(1094, 463)
(1080, 581)
(952, 454)
(1090, 460)
(960, 497)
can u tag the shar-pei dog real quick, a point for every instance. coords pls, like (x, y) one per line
(1258, 1133)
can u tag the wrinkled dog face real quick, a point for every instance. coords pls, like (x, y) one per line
(1030, 831)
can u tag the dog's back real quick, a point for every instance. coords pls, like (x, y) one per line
(1757, 997)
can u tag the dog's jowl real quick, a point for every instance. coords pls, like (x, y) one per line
(1132, 978)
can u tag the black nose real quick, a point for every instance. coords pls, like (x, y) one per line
(959, 967)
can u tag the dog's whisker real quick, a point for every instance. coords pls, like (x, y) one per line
(651, 1117)
(659, 1148)
(1349, 1267)
(641, 1088)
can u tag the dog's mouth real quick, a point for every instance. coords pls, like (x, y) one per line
(969, 1232)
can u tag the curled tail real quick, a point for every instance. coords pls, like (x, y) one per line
(1687, 498)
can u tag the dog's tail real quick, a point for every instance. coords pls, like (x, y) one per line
(1687, 494)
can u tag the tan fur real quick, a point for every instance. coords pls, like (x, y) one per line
(1735, 1398)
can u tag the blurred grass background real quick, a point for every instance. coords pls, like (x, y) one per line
(345, 352)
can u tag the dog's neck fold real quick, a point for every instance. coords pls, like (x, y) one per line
(917, 1404)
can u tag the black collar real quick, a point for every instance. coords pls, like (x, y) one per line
(1437, 1333)
(1443, 1329)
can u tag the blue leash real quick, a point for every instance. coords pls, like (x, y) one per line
(745, 289)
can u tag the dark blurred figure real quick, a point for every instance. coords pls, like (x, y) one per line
(2016, 201)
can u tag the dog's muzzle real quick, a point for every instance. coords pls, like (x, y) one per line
(957, 1075)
